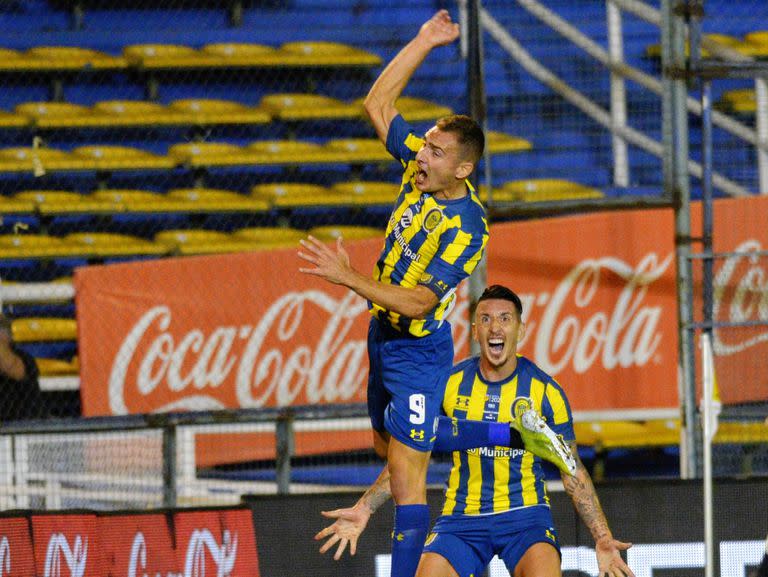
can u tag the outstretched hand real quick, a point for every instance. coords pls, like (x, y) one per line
(333, 266)
(609, 558)
(439, 30)
(348, 526)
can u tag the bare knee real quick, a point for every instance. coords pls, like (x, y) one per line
(408, 473)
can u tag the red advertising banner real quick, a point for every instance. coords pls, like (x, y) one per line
(16, 557)
(248, 330)
(216, 543)
(65, 545)
(136, 545)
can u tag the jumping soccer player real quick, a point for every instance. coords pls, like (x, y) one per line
(496, 501)
(434, 239)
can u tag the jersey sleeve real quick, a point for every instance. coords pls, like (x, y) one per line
(455, 260)
(557, 411)
(402, 143)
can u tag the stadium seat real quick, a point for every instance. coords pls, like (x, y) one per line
(60, 58)
(55, 202)
(233, 54)
(199, 241)
(358, 150)
(498, 142)
(331, 233)
(16, 206)
(741, 101)
(105, 245)
(106, 157)
(654, 50)
(272, 236)
(366, 193)
(211, 200)
(13, 119)
(53, 114)
(295, 106)
(196, 154)
(413, 109)
(111, 113)
(210, 111)
(57, 367)
(35, 246)
(289, 194)
(167, 56)
(287, 152)
(317, 54)
(34, 160)
(34, 329)
(540, 190)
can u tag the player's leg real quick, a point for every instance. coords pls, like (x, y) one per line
(540, 560)
(434, 565)
(457, 547)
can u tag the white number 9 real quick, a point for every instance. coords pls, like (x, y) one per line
(417, 403)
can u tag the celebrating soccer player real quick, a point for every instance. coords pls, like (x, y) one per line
(496, 501)
(435, 237)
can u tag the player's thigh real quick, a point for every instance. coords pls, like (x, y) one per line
(540, 560)
(408, 472)
(381, 443)
(435, 565)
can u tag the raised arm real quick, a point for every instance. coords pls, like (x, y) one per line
(380, 102)
(351, 522)
(584, 497)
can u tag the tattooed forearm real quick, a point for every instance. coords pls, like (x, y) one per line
(378, 493)
(584, 497)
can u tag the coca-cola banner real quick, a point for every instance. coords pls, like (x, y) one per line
(16, 557)
(184, 543)
(248, 330)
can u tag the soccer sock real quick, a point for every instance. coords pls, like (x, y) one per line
(459, 434)
(411, 528)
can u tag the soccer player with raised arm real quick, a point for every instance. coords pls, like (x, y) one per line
(496, 501)
(434, 239)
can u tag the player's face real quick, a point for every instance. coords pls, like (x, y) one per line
(440, 163)
(497, 329)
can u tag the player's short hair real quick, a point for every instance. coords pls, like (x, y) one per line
(500, 292)
(468, 133)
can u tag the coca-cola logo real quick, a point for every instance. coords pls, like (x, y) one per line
(741, 294)
(569, 330)
(203, 544)
(137, 562)
(75, 558)
(331, 369)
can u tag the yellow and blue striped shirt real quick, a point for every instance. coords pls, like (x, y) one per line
(496, 479)
(428, 242)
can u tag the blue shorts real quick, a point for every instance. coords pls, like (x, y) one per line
(406, 382)
(469, 542)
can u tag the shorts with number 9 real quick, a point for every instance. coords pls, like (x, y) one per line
(406, 382)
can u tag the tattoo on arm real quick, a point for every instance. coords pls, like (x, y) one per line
(584, 497)
(378, 493)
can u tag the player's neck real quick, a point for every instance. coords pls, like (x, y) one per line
(453, 193)
(497, 374)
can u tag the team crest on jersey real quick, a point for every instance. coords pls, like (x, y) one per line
(407, 218)
(520, 405)
(432, 220)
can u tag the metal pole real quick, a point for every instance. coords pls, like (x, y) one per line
(708, 366)
(477, 106)
(674, 166)
(761, 100)
(169, 465)
(285, 450)
(618, 96)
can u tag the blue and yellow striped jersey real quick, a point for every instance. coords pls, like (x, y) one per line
(429, 242)
(496, 479)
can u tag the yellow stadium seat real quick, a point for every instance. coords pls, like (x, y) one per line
(104, 244)
(286, 152)
(16, 206)
(211, 111)
(212, 200)
(540, 190)
(609, 434)
(282, 193)
(57, 367)
(366, 192)
(742, 101)
(413, 109)
(34, 329)
(326, 54)
(209, 154)
(53, 114)
(134, 113)
(241, 54)
(273, 236)
(159, 56)
(19, 246)
(13, 119)
(35, 160)
(62, 58)
(140, 201)
(498, 142)
(64, 202)
(296, 106)
(330, 233)
(357, 150)
(199, 241)
(654, 51)
(742, 432)
(104, 157)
